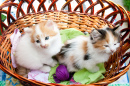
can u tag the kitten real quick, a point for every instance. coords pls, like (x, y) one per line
(86, 52)
(37, 46)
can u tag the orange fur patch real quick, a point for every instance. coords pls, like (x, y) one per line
(100, 43)
(46, 30)
(114, 37)
(72, 59)
(38, 37)
(33, 32)
(107, 38)
(84, 47)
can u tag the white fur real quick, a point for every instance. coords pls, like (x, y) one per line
(31, 56)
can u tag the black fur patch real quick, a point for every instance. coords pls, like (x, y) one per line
(91, 38)
(62, 52)
(87, 57)
(68, 45)
(76, 66)
(64, 49)
(103, 34)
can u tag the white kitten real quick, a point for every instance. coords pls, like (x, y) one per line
(38, 45)
(87, 52)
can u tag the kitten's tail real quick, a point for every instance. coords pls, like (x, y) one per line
(22, 71)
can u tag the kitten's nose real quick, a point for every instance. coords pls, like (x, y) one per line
(44, 46)
(112, 51)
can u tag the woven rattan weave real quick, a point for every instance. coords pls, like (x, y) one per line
(84, 16)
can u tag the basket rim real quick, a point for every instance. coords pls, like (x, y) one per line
(65, 12)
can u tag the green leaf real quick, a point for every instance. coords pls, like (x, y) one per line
(3, 17)
(85, 77)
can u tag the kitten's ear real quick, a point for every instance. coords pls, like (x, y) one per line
(50, 24)
(27, 30)
(114, 29)
(95, 35)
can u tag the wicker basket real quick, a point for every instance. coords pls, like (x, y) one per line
(84, 16)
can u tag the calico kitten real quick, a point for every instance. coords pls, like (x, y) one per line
(37, 46)
(86, 52)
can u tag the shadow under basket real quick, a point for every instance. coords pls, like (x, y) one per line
(81, 18)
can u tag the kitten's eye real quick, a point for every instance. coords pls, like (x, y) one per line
(114, 44)
(38, 41)
(46, 38)
(106, 45)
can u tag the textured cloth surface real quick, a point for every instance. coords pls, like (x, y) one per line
(10, 81)
(7, 80)
(39, 76)
(2, 78)
(15, 37)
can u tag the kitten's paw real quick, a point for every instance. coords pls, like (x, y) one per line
(95, 69)
(45, 68)
(54, 63)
